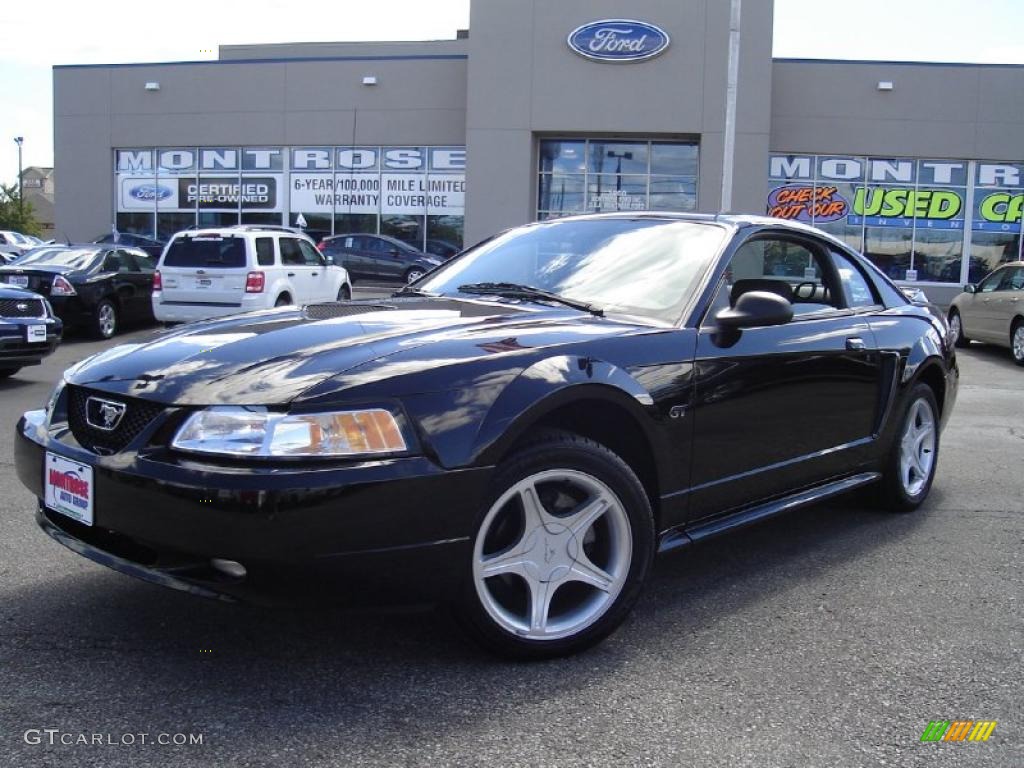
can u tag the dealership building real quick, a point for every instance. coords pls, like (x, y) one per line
(547, 108)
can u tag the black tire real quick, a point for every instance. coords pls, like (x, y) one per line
(893, 490)
(6, 373)
(344, 293)
(558, 450)
(105, 319)
(414, 274)
(960, 339)
(283, 300)
(1016, 350)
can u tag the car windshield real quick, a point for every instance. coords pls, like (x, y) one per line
(75, 258)
(646, 267)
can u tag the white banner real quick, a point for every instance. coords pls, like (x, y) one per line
(416, 194)
(324, 193)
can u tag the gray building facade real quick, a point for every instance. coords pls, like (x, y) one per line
(920, 166)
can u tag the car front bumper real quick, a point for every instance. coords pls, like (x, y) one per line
(398, 526)
(15, 349)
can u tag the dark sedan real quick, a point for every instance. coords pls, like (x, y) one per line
(90, 286)
(29, 331)
(517, 434)
(154, 248)
(377, 258)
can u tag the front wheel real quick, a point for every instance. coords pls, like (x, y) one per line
(910, 467)
(956, 329)
(414, 274)
(561, 550)
(344, 293)
(105, 319)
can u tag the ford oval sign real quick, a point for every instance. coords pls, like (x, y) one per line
(150, 192)
(618, 40)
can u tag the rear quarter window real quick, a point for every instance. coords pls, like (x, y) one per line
(265, 251)
(206, 252)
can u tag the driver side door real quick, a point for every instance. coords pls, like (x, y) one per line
(784, 406)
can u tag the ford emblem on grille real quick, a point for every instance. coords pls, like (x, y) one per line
(103, 414)
(22, 307)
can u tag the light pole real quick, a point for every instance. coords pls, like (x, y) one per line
(21, 202)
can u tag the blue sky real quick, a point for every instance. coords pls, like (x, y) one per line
(35, 36)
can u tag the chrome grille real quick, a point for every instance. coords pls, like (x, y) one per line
(138, 415)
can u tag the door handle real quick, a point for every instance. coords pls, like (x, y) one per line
(855, 344)
(291, 274)
(315, 274)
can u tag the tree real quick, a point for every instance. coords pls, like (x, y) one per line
(14, 216)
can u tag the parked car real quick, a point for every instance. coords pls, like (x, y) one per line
(16, 242)
(215, 272)
(29, 330)
(518, 433)
(992, 311)
(148, 244)
(8, 257)
(442, 249)
(90, 286)
(378, 258)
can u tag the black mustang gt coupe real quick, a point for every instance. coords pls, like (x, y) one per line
(517, 433)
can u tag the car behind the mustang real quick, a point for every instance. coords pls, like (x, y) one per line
(518, 433)
(29, 329)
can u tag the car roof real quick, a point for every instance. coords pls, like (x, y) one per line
(241, 229)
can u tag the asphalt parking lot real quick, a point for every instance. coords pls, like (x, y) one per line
(830, 637)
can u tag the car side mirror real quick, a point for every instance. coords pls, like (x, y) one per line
(755, 309)
(970, 288)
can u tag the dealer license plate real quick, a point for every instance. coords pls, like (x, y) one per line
(69, 488)
(35, 334)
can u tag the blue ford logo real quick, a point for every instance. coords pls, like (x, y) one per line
(147, 192)
(618, 40)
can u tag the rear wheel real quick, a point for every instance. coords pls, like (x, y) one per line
(561, 551)
(283, 300)
(1017, 341)
(956, 329)
(910, 467)
(414, 274)
(105, 319)
(8, 372)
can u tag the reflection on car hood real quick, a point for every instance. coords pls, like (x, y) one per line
(274, 356)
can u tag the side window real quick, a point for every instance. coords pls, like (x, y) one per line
(265, 251)
(777, 265)
(143, 261)
(1017, 279)
(113, 262)
(310, 255)
(291, 255)
(991, 282)
(855, 287)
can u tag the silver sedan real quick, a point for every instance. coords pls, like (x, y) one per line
(992, 311)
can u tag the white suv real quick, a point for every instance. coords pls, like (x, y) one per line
(214, 272)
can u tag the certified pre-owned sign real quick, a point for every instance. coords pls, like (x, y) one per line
(618, 40)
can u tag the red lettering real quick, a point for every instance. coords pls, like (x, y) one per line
(66, 482)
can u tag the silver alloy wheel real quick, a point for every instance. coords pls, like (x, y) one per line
(106, 319)
(552, 552)
(1018, 343)
(917, 448)
(955, 326)
(415, 274)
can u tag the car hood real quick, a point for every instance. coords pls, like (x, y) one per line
(273, 357)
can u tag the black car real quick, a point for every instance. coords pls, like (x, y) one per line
(377, 258)
(29, 331)
(518, 433)
(154, 248)
(90, 286)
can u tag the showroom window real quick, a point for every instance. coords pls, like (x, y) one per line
(595, 175)
(910, 216)
(414, 193)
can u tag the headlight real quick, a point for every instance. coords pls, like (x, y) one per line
(51, 403)
(252, 431)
